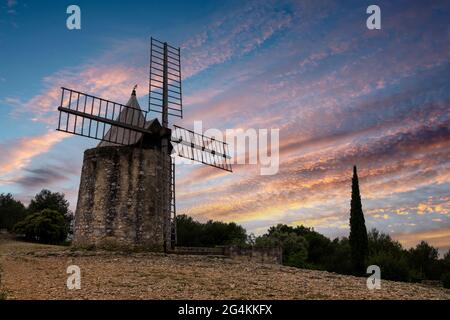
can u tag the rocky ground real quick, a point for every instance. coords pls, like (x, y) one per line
(31, 271)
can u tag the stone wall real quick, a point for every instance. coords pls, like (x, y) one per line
(254, 254)
(118, 199)
(250, 254)
(199, 250)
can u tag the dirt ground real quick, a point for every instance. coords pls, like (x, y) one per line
(32, 271)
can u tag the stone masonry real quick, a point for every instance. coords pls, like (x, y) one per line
(118, 199)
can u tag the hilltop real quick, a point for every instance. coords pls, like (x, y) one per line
(33, 271)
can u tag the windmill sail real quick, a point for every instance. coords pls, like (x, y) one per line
(111, 122)
(198, 147)
(165, 79)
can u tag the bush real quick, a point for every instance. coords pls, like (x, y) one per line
(47, 226)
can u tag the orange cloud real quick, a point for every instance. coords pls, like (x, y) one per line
(439, 238)
(19, 153)
(112, 82)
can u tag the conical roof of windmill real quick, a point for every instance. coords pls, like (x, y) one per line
(131, 118)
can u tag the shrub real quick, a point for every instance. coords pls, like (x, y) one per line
(47, 226)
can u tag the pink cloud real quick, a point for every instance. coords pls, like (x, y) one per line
(17, 154)
(234, 34)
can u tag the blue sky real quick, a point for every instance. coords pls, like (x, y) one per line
(339, 93)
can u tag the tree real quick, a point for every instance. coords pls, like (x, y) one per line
(319, 247)
(358, 233)
(221, 233)
(294, 246)
(446, 274)
(388, 255)
(47, 226)
(188, 231)
(446, 280)
(424, 260)
(339, 261)
(54, 201)
(11, 211)
(447, 259)
(49, 200)
(192, 233)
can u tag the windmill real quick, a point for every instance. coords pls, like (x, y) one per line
(129, 138)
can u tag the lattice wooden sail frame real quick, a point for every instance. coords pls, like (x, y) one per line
(165, 79)
(90, 116)
(200, 148)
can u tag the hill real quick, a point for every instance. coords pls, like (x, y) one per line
(32, 271)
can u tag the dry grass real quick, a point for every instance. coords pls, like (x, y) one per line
(34, 271)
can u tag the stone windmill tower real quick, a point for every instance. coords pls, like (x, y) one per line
(127, 187)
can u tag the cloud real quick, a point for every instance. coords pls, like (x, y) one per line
(436, 237)
(236, 33)
(11, 3)
(339, 94)
(42, 177)
(17, 154)
(112, 82)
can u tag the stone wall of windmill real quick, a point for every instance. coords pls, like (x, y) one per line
(118, 199)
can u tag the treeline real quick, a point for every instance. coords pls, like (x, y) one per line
(46, 219)
(305, 248)
(192, 233)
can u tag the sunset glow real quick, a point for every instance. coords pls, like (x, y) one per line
(340, 94)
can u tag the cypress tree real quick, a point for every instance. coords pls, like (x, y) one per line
(358, 233)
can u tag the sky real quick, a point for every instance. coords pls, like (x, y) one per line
(339, 93)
